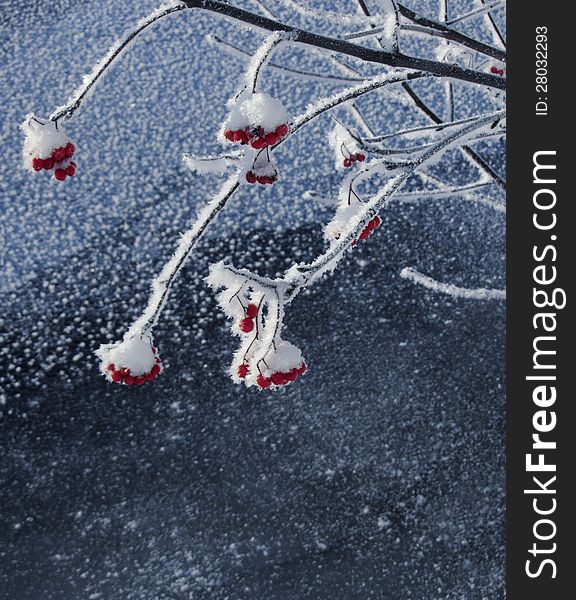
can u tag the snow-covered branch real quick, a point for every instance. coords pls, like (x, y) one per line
(450, 289)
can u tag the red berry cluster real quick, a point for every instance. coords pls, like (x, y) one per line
(247, 323)
(251, 177)
(122, 375)
(58, 156)
(348, 162)
(257, 137)
(280, 378)
(373, 224)
(497, 71)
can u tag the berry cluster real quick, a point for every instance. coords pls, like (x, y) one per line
(373, 224)
(123, 375)
(247, 323)
(497, 71)
(348, 162)
(257, 137)
(59, 161)
(279, 378)
(252, 177)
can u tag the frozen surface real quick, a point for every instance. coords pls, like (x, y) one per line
(378, 474)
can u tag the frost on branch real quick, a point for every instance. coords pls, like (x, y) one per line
(47, 147)
(133, 361)
(263, 359)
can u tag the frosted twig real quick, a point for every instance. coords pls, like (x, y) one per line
(66, 111)
(452, 290)
(497, 34)
(233, 50)
(487, 8)
(162, 284)
(261, 56)
(447, 33)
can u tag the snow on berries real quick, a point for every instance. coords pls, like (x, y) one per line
(282, 366)
(346, 147)
(48, 148)
(262, 171)
(134, 361)
(258, 120)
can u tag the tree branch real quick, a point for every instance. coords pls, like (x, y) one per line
(361, 52)
(450, 289)
(451, 34)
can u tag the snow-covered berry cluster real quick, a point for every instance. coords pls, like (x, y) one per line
(347, 149)
(256, 119)
(280, 378)
(133, 361)
(257, 137)
(255, 176)
(263, 359)
(352, 158)
(496, 71)
(370, 228)
(48, 148)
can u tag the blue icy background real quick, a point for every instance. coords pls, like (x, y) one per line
(378, 475)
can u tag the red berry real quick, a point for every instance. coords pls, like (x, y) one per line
(48, 163)
(360, 157)
(262, 381)
(365, 234)
(69, 149)
(129, 380)
(347, 162)
(229, 135)
(249, 134)
(158, 360)
(377, 222)
(292, 375)
(282, 130)
(116, 376)
(150, 376)
(155, 370)
(501, 72)
(302, 369)
(242, 371)
(59, 154)
(279, 378)
(60, 174)
(251, 311)
(124, 372)
(70, 170)
(140, 380)
(246, 325)
(494, 70)
(259, 143)
(251, 177)
(271, 138)
(111, 367)
(37, 164)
